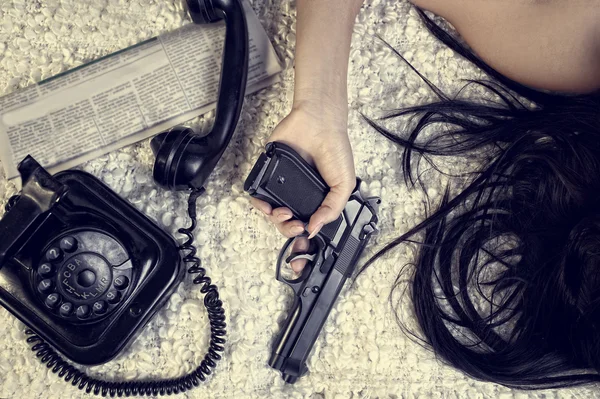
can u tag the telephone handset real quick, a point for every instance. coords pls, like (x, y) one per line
(183, 158)
(86, 271)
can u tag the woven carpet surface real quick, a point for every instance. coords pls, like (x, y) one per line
(362, 352)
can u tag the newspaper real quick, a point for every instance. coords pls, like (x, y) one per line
(125, 97)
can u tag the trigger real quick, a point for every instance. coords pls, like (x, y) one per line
(300, 255)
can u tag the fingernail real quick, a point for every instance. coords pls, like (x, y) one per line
(315, 231)
(282, 217)
(297, 230)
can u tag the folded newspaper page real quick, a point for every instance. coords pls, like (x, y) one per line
(125, 97)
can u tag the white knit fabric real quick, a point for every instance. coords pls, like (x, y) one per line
(361, 352)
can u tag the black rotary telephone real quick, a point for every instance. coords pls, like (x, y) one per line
(85, 270)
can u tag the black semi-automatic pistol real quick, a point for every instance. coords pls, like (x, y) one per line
(284, 179)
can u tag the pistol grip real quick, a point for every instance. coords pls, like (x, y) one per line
(288, 181)
(282, 178)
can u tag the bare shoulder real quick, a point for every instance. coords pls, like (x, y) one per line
(549, 44)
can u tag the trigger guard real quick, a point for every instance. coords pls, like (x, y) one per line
(307, 269)
(300, 255)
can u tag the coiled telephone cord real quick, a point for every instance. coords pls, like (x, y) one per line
(216, 315)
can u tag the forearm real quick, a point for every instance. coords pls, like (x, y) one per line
(323, 36)
(317, 126)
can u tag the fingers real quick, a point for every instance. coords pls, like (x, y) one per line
(262, 206)
(291, 229)
(280, 217)
(300, 245)
(331, 208)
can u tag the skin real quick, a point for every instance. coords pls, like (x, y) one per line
(546, 44)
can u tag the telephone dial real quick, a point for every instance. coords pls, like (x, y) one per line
(85, 270)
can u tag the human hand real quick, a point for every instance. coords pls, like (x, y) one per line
(317, 131)
(317, 126)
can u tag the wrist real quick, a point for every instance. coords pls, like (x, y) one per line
(329, 110)
(317, 81)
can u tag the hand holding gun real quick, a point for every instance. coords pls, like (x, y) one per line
(283, 179)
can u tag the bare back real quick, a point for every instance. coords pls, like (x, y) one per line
(548, 44)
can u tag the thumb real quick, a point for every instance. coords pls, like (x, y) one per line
(331, 208)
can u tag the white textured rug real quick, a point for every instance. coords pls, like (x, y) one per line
(361, 353)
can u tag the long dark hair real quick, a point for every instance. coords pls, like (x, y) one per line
(506, 284)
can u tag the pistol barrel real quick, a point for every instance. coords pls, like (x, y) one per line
(303, 326)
